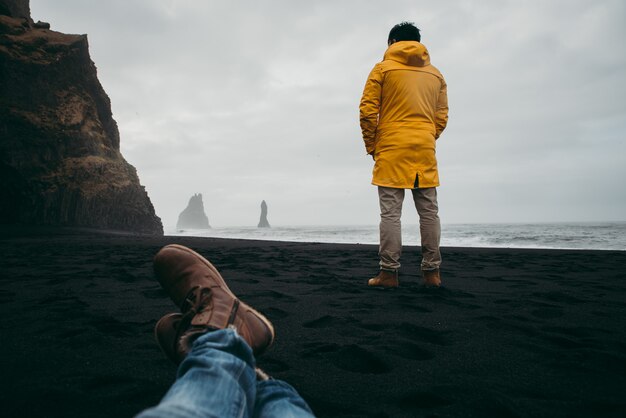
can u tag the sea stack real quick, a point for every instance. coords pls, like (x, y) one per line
(263, 223)
(60, 160)
(193, 217)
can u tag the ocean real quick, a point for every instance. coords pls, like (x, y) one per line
(588, 236)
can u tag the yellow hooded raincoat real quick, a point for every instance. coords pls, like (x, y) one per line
(403, 111)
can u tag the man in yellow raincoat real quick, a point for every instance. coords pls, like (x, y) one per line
(404, 109)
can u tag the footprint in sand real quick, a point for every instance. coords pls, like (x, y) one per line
(352, 358)
(420, 334)
(411, 351)
(322, 322)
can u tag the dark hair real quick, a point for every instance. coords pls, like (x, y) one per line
(405, 31)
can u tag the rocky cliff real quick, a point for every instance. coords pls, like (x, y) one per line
(193, 217)
(60, 160)
(263, 222)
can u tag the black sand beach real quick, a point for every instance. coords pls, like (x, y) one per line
(513, 333)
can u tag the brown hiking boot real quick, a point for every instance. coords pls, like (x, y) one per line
(206, 303)
(168, 337)
(384, 279)
(431, 278)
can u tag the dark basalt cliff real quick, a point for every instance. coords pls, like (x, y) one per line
(193, 217)
(60, 160)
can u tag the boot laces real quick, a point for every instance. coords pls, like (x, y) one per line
(196, 301)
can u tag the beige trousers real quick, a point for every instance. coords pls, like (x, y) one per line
(390, 200)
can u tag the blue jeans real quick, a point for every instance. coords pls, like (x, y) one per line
(217, 380)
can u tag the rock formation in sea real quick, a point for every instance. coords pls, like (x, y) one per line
(263, 223)
(60, 160)
(193, 217)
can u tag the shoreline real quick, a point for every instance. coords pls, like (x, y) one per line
(580, 236)
(513, 332)
(8, 231)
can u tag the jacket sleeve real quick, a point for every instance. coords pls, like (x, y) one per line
(370, 107)
(441, 116)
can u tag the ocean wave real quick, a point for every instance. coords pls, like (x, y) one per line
(596, 236)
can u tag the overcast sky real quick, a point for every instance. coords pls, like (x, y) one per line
(245, 101)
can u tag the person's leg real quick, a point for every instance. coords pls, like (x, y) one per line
(390, 249)
(430, 227)
(206, 303)
(275, 398)
(216, 379)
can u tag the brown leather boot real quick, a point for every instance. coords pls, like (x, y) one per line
(168, 336)
(206, 303)
(432, 278)
(384, 279)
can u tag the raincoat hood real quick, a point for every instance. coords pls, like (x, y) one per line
(410, 53)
